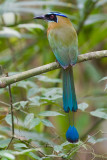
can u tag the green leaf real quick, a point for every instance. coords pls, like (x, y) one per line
(24, 6)
(103, 79)
(30, 26)
(35, 101)
(99, 113)
(96, 18)
(47, 123)
(2, 137)
(34, 156)
(8, 119)
(26, 84)
(101, 2)
(66, 143)
(4, 143)
(92, 71)
(4, 158)
(20, 145)
(105, 87)
(81, 3)
(8, 32)
(7, 155)
(24, 151)
(93, 140)
(50, 113)
(32, 91)
(47, 79)
(34, 122)
(58, 148)
(20, 104)
(42, 3)
(28, 119)
(83, 106)
(23, 103)
(10, 153)
(52, 93)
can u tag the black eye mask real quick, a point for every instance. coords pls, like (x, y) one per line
(51, 17)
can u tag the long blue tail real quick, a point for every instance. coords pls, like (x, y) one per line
(69, 97)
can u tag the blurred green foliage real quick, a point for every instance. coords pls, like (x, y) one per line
(40, 122)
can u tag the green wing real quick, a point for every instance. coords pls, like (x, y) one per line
(64, 45)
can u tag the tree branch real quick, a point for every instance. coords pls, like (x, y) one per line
(4, 81)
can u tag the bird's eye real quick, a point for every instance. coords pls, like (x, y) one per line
(52, 16)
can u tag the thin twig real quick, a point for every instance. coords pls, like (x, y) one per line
(6, 104)
(12, 118)
(10, 142)
(4, 81)
(11, 104)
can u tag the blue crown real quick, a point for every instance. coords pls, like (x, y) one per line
(58, 14)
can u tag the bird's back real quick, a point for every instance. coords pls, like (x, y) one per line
(63, 41)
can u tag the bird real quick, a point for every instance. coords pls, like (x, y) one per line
(63, 41)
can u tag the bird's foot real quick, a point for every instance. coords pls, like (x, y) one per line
(57, 61)
(64, 67)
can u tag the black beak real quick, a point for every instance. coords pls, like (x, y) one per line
(39, 17)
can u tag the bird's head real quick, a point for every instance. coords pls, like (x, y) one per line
(51, 17)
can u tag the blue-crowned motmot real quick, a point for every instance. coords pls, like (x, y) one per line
(64, 43)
